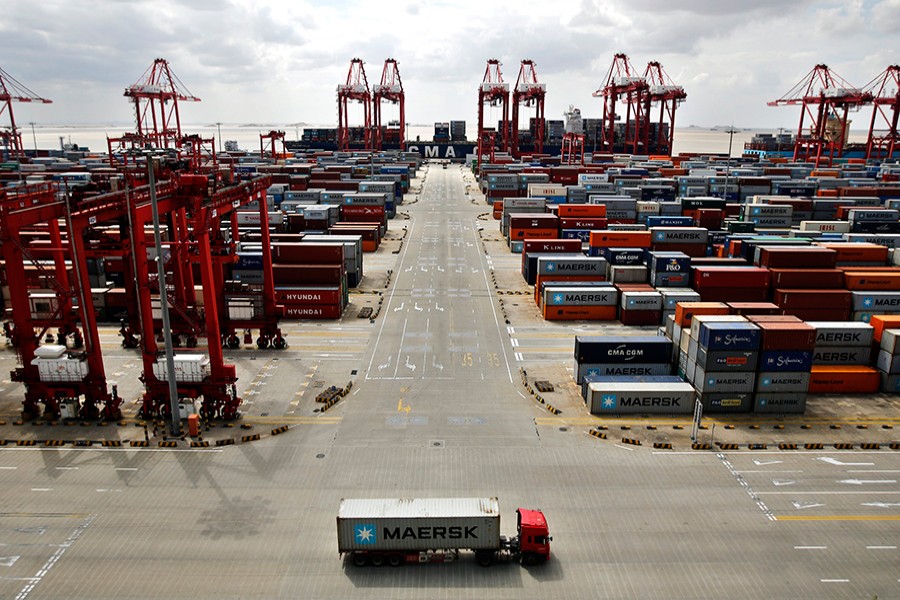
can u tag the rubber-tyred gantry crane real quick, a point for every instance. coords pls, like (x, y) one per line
(826, 100)
(493, 92)
(13, 91)
(530, 92)
(389, 90)
(624, 85)
(883, 139)
(356, 89)
(668, 96)
(268, 144)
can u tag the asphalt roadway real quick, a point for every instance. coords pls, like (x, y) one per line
(438, 409)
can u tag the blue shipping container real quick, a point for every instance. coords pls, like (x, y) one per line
(730, 336)
(785, 361)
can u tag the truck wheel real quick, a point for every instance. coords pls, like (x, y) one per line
(485, 558)
(377, 560)
(529, 559)
(395, 560)
(359, 560)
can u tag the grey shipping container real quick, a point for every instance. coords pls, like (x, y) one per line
(640, 397)
(722, 382)
(842, 355)
(842, 333)
(719, 403)
(413, 525)
(583, 370)
(779, 403)
(772, 382)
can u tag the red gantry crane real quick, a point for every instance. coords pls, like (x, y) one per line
(268, 144)
(624, 85)
(826, 100)
(391, 90)
(494, 92)
(883, 139)
(13, 91)
(530, 92)
(356, 89)
(668, 96)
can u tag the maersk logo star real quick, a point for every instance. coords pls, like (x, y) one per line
(551, 266)
(365, 534)
(867, 302)
(609, 401)
(557, 299)
(593, 372)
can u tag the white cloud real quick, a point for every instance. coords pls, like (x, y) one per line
(278, 61)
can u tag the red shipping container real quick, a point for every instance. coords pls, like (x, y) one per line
(822, 299)
(533, 221)
(787, 336)
(579, 313)
(773, 319)
(634, 287)
(619, 239)
(313, 311)
(582, 223)
(797, 258)
(555, 245)
(843, 379)
(732, 294)
(859, 252)
(640, 317)
(689, 249)
(308, 295)
(307, 253)
(582, 211)
(817, 314)
(516, 234)
(753, 308)
(292, 274)
(807, 278)
(731, 277)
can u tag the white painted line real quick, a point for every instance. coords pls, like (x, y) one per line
(881, 547)
(824, 493)
(761, 471)
(126, 468)
(624, 448)
(66, 468)
(834, 461)
(41, 489)
(872, 471)
(8, 468)
(810, 547)
(835, 580)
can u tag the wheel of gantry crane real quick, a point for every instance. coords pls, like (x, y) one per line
(262, 342)
(279, 343)
(233, 342)
(191, 342)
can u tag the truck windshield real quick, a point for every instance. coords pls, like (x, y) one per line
(540, 539)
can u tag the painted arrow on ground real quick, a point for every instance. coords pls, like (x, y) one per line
(880, 504)
(779, 482)
(763, 463)
(834, 461)
(802, 505)
(862, 481)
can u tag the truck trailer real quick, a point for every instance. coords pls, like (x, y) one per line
(395, 531)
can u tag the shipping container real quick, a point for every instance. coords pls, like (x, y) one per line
(768, 382)
(779, 403)
(640, 397)
(623, 349)
(835, 379)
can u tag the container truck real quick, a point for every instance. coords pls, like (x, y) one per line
(395, 531)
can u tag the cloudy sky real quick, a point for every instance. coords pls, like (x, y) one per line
(271, 61)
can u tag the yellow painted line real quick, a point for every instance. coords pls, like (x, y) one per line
(841, 518)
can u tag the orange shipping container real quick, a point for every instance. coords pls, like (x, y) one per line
(843, 379)
(582, 210)
(863, 280)
(859, 252)
(579, 313)
(605, 238)
(684, 311)
(882, 322)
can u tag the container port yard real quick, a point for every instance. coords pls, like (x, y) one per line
(687, 365)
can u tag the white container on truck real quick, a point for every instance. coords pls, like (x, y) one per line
(401, 530)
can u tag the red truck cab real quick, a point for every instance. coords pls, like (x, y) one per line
(534, 536)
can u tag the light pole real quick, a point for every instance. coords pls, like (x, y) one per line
(33, 136)
(163, 301)
(219, 129)
(731, 131)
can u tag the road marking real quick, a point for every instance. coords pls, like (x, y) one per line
(834, 461)
(862, 481)
(56, 556)
(762, 463)
(126, 468)
(880, 504)
(41, 489)
(780, 482)
(66, 468)
(839, 518)
(624, 448)
(881, 547)
(871, 471)
(835, 580)
(763, 471)
(743, 483)
(8, 468)
(810, 547)
(802, 505)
